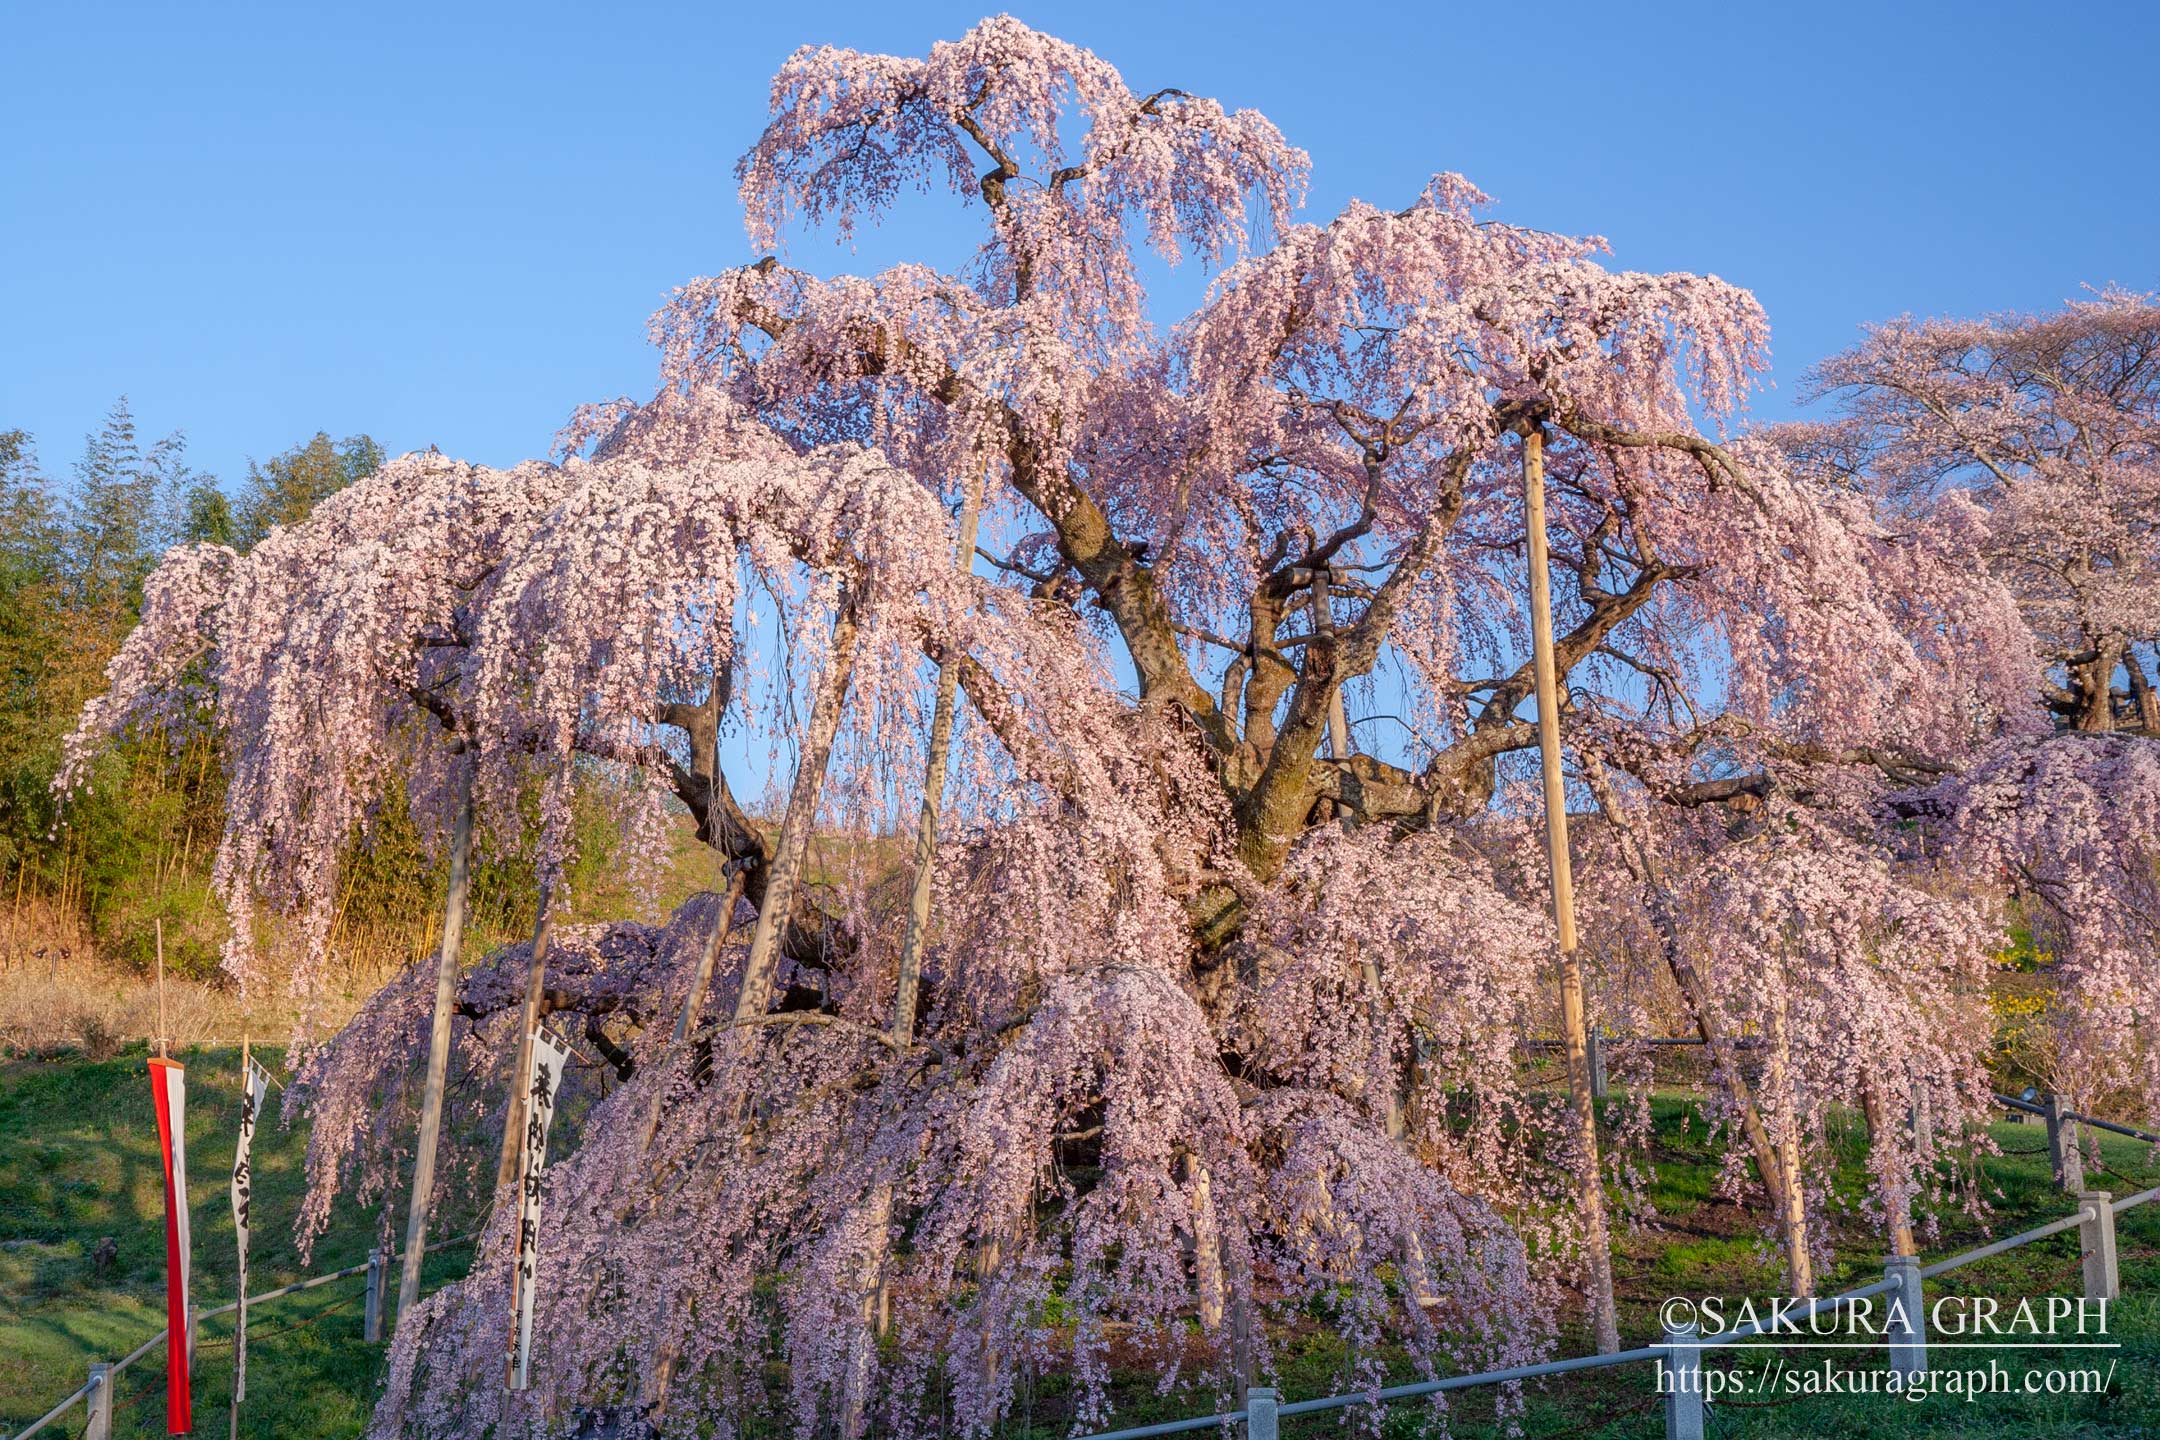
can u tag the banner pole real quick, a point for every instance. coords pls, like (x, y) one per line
(163, 1034)
(239, 1379)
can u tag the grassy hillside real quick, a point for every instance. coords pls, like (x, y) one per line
(78, 1163)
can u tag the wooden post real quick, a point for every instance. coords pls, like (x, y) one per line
(907, 983)
(1724, 1063)
(797, 823)
(1596, 1044)
(2062, 1138)
(371, 1312)
(1792, 1225)
(164, 1032)
(709, 957)
(734, 874)
(506, 1166)
(2096, 1237)
(1590, 1182)
(98, 1402)
(446, 973)
(1261, 1422)
(1680, 1376)
(941, 723)
(685, 1019)
(1898, 1215)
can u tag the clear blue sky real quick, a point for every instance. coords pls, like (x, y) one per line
(448, 225)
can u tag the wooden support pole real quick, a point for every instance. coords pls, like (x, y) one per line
(506, 1165)
(694, 999)
(709, 957)
(378, 1265)
(909, 981)
(1642, 863)
(799, 820)
(2064, 1157)
(1786, 1108)
(438, 1071)
(1590, 1183)
(907, 985)
(1896, 1212)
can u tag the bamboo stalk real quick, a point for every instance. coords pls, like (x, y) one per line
(1590, 1184)
(446, 971)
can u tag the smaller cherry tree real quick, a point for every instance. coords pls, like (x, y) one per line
(2026, 451)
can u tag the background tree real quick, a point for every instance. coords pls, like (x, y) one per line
(207, 516)
(283, 489)
(75, 555)
(74, 550)
(2025, 450)
(118, 515)
(2030, 444)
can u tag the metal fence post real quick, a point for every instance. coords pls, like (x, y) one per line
(371, 1323)
(2063, 1156)
(1597, 1065)
(1906, 1331)
(1260, 1414)
(99, 1402)
(1680, 1377)
(2096, 1237)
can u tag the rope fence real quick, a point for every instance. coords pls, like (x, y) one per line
(1686, 1411)
(96, 1393)
(1686, 1406)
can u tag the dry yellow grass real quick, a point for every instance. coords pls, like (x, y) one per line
(60, 992)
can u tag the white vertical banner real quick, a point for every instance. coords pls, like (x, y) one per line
(254, 1087)
(541, 1082)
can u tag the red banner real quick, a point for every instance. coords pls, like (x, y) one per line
(168, 1083)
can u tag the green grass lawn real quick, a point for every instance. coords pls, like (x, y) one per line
(78, 1162)
(1699, 1245)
